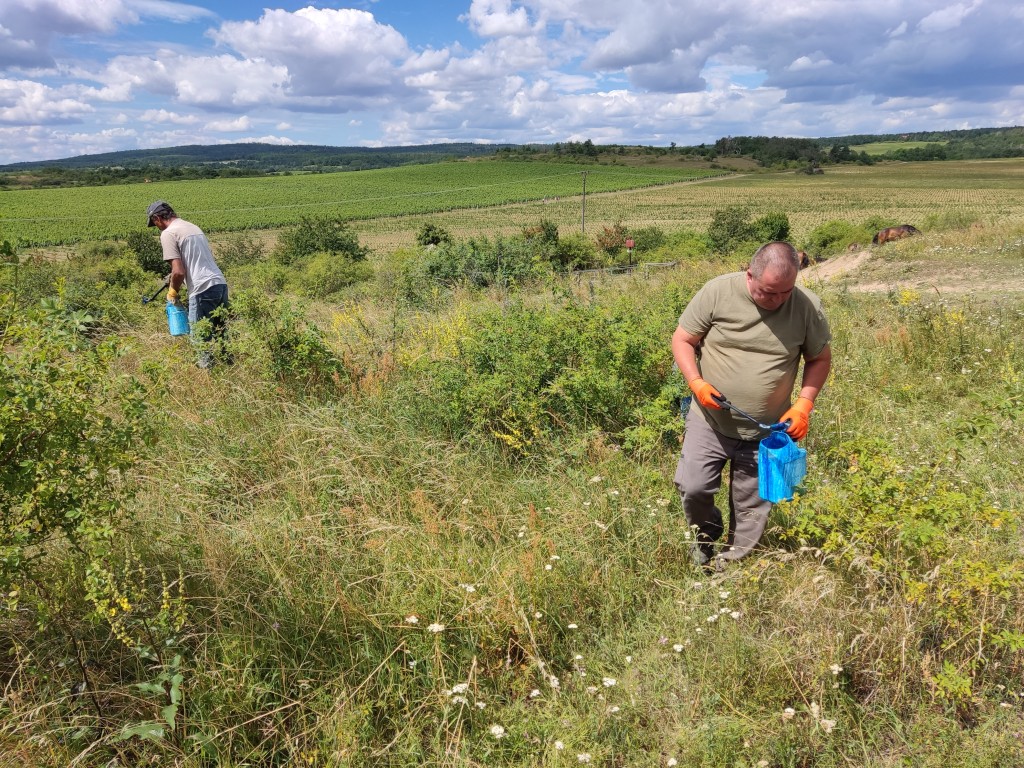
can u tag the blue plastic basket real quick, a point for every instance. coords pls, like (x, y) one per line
(781, 466)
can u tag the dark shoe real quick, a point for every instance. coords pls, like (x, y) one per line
(701, 554)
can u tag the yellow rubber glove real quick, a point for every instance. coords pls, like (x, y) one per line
(703, 392)
(799, 418)
(172, 295)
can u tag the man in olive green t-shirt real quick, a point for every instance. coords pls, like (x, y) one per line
(744, 333)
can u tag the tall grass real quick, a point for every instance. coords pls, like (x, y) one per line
(341, 567)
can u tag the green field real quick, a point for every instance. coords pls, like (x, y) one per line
(61, 216)
(984, 190)
(884, 147)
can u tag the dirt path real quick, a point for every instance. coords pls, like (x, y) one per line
(865, 271)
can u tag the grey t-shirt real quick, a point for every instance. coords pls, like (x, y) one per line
(184, 240)
(752, 355)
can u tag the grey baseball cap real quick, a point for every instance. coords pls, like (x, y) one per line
(158, 208)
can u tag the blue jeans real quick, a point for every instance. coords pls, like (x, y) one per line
(205, 305)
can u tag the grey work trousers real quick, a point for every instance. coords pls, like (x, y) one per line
(698, 478)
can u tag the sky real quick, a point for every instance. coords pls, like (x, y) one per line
(87, 76)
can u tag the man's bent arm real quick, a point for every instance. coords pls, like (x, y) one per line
(684, 350)
(816, 370)
(177, 276)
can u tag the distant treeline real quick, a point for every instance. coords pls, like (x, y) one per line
(224, 161)
(233, 160)
(776, 151)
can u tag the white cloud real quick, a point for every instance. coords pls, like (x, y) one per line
(282, 140)
(496, 18)
(329, 54)
(24, 102)
(223, 82)
(946, 19)
(899, 30)
(242, 123)
(163, 116)
(808, 62)
(171, 11)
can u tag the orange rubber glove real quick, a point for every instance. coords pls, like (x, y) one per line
(703, 392)
(799, 418)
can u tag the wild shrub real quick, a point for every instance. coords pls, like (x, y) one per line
(148, 252)
(771, 227)
(292, 348)
(612, 239)
(730, 229)
(522, 374)
(242, 249)
(575, 251)
(481, 261)
(546, 231)
(688, 242)
(69, 435)
(647, 239)
(912, 530)
(325, 274)
(93, 253)
(833, 236)
(432, 234)
(319, 235)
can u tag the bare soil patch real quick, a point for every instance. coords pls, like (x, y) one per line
(864, 271)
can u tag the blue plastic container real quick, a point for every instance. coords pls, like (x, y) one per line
(781, 466)
(177, 319)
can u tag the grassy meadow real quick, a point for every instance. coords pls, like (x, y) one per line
(432, 522)
(884, 147)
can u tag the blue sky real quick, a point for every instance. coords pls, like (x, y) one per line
(86, 76)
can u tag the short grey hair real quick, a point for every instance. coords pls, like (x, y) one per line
(777, 256)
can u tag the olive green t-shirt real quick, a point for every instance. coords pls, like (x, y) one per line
(752, 355)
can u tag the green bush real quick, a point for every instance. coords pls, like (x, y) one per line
(240, 250)
(433, 234)
(687, 242)
(546, 231)
(575, 251)
(730, 229)
(833, 236)
(68, 434)
(148, 252)
(647, 239)
(324, 274)
(319, 235)
(771, 227)
(292, 348)
(522, 374)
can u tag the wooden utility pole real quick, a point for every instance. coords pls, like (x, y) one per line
(584, 218)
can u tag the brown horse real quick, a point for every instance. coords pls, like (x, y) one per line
(894, 233)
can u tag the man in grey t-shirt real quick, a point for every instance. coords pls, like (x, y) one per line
(744, 333)
(185, 246)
